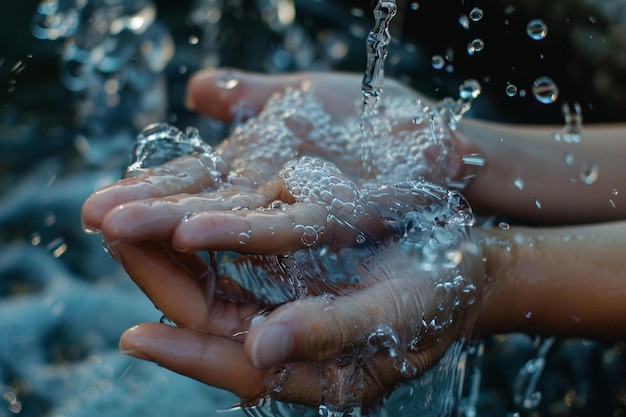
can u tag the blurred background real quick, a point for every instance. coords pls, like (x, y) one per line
(80, 78)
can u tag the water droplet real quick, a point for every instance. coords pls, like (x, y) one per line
(227, 80)
(612, 203)
(474, 46)
(589, 173)
(511, 90)
(464, 21)
(438, 62)
(528, 314)
(476, 14)
(572, 131)
(49, 219)
(545, 90)
(193, 40)
(35, 239)
(537, 203)
(357, 12)
(360, 239)
(58, 247)
(504, 225)
(537, 29)
(474, 159)
(519, 183)
(415, 6)
(18, 67)
(615, 191)
(244, 237)
(470, 89)
(569, 158)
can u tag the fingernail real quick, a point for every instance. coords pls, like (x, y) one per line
(257, 320)
(136, 354)
(130, 340)
(272, 346)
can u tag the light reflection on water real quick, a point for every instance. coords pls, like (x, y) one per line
(60, 314)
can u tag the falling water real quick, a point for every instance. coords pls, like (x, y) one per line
(377, 46)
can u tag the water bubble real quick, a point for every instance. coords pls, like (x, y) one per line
(519, 183)
(438, 62)
(528, 314)
(470, 89)
(474, 159)
(537, 29)
(193, 40)
(615, 191)
(360, 239)
(569, 158)
(511, 90)
(589, 173)
(537, 203)
(545, 90)
(474, 46)
(504, 225)
(476, 14)
(415, 6)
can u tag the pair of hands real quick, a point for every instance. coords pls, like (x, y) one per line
(397, 303)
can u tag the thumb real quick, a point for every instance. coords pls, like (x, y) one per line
(321, 328)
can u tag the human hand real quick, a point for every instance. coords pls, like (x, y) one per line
(393, 280)
(156, 216)
(254, 154)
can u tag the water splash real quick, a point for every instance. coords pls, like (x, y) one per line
(113, 56)
(525, 394)
(426, 222)
(160, 143)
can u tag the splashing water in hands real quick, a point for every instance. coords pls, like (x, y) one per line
(383, 273)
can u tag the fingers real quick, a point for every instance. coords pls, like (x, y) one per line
(209, 359)
(220, 362)
(178, 292)
(260, 232)
(180, 286)
(156, 219)
(218, 92)
(184, 175)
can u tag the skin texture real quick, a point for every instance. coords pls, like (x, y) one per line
(544, 271)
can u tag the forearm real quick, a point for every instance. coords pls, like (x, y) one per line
(530, 176)
(565, 281)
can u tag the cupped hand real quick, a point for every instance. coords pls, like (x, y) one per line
(388, 281)
(153, 223)
(309, 114)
